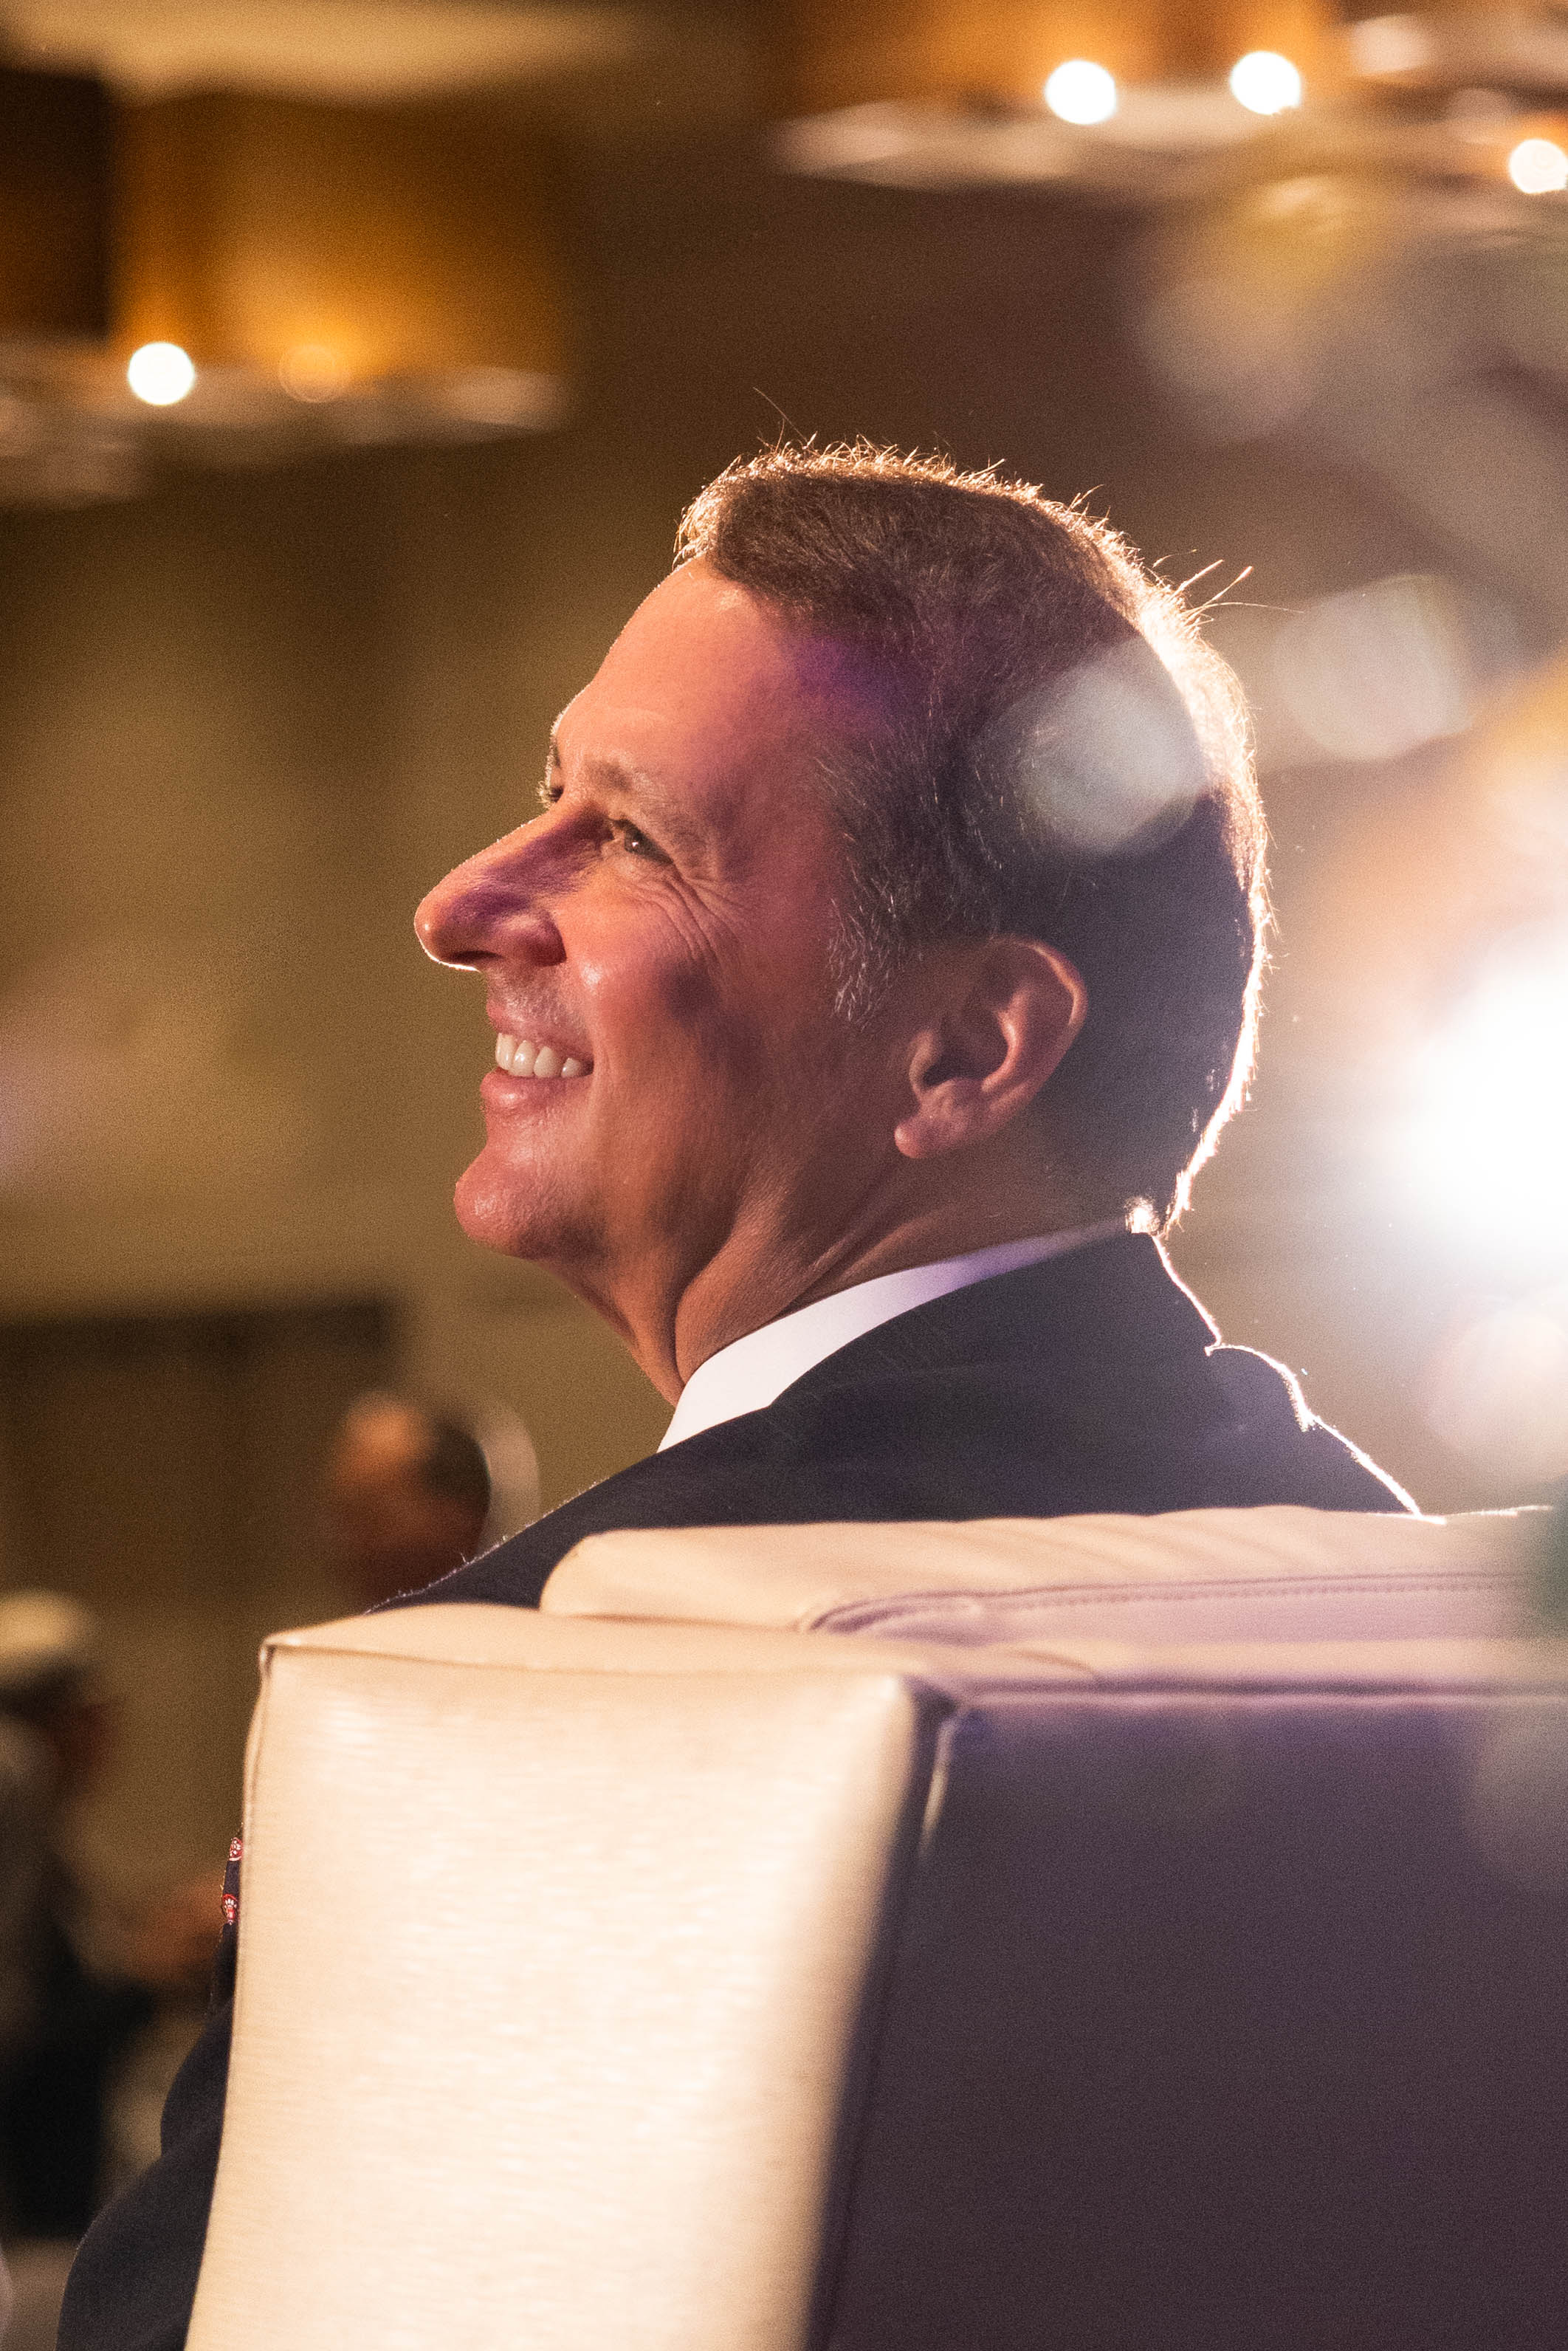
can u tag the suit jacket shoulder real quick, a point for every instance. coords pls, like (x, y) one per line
(1092, 1381)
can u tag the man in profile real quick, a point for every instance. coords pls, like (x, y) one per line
(879, 968)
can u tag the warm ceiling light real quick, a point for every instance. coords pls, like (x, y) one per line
(1264, 82)
(327, 248)
(160, 374)
(1082, 91)
(1539, 167)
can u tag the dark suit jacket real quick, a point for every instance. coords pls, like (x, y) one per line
(1091, 1382)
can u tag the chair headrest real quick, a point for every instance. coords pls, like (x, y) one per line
(1272, 1574)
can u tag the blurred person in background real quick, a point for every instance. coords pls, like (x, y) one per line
(411, 1493)
(69, 2018)
(78, 1988)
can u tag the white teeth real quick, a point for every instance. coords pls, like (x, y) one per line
(521, 1058)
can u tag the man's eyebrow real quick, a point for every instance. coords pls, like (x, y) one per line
(669, 824)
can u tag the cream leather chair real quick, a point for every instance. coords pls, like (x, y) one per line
(555, 1950)
(1190, 1577)
(998, 1973)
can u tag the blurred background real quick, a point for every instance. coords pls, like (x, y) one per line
(356, 360)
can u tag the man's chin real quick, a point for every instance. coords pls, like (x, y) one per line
(501, 1210)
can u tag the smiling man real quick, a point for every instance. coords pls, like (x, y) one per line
(879, 966)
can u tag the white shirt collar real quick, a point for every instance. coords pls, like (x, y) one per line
(751, 1372)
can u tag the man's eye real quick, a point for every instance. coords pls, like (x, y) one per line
(632, 837)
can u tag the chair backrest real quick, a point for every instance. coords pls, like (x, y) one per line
(600, 1982)
(555, 1950)
(1231, 2005)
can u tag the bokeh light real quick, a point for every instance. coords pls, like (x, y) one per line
(160, 374)
(1488, 1146)
(1496, 1387)
(1082, 91)
(1373, 672)
(1265, 83)
(1390, 45)
(1538, 167)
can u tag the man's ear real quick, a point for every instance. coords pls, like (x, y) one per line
(999, 1017)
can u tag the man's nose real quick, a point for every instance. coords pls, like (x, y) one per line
(488, 910)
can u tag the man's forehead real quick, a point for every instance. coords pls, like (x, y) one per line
(706, 679)
(698, 644)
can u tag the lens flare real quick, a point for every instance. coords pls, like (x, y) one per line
(1082, 91)
(1105, 759)
(312, 372)
(160, 374)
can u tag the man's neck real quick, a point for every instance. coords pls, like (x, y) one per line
(779, 1255)
(729, 1299)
